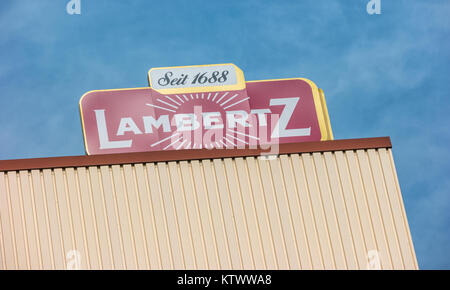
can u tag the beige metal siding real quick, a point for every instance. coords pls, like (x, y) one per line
(297, 211)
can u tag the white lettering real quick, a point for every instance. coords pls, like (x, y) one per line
(374, 7)
(261, 113)
(127, 125)
(74, 7)
(232, 120)
(103, 134)
(74, 260)
(373, 262)
(280, 128)
(163, 121)
(186, 122)
(213, 117)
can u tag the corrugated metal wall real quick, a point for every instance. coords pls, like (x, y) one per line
(340, 210)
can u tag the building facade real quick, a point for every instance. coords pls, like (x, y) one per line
(316, 205)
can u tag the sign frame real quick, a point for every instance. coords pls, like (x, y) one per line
(318, 97)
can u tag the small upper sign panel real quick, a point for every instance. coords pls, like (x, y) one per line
(200, 78)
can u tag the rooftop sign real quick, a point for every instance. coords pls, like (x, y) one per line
(203, 107)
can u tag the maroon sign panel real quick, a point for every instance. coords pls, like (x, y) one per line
(142, 119)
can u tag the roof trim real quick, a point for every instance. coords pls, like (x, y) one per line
(191, 154)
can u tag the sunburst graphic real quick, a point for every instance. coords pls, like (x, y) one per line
(225, 100)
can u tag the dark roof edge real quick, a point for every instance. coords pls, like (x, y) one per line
(192, 154)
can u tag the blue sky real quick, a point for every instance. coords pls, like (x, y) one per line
(383, 75)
